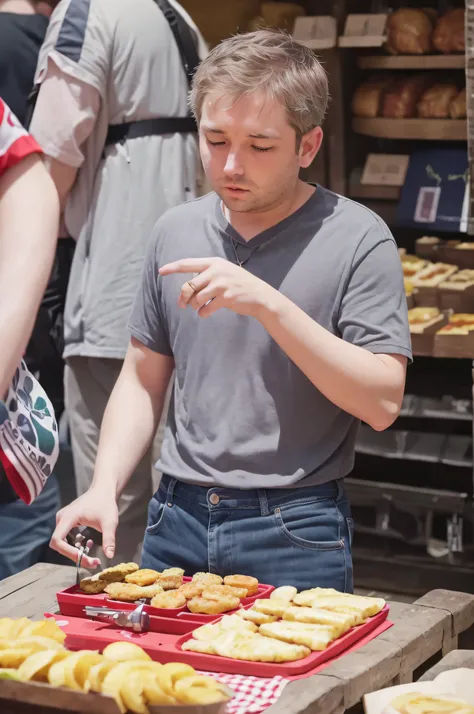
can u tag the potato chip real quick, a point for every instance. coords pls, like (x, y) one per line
(36, 666)
(154, 695)
(77, 668)
(113, 681)
(9, 673)
(132, 692)
(97, 674)
(56, 674)
(19, 627)
(35, 643)
(125, 651)
(6, 624)
(199, 689)
(44, 628)
(171, 673)
(13, 658)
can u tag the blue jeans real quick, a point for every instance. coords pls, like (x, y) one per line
(25, 531)
(299, 537)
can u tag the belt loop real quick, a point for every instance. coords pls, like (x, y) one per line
(262, 497)
(340, 489)
(170, 492)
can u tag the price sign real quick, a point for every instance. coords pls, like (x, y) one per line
(385, 169)
(317, 33)
(363, 30)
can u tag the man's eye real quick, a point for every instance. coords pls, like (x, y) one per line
(216, 143)
(260, 148)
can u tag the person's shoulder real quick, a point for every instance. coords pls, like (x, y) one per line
(364, 224)
(190, 213)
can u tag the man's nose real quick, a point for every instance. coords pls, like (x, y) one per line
(233, 165)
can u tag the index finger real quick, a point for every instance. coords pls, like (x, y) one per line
(189, 265)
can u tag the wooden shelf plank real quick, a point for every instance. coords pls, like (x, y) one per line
(422, 129)
(376, 193)
(418, 62)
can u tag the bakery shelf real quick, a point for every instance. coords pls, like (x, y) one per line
(418, 62)
(445, 407)
(373, 192)
(428, 129)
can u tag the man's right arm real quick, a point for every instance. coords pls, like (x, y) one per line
(129, 425)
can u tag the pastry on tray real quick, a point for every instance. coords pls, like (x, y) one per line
(340, 621)
(412, 265)
(216, 592)
(459, 280)
(419, 318)
(217, 606)
(118, 573)
(316, 637)
(459, 324)
(93, 585)
(171, 578)
(416, 703)
(127, 592)
(271, 607)
(434, 275)
(208, 578)
(285, 592)
(225, 624)
(191, 590)
(249, 646)
(142, 577)
(243, 581)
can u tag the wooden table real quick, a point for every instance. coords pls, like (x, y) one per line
(429, 627)
(454, 660)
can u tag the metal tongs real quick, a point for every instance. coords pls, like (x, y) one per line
(83, 550)
(137, 620)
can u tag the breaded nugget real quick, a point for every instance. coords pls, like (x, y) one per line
(259, 618)
(286, 592)
(142, 577)
(215, 592)
(170, 579)
(207, 578)
(213, 607)
(316, 637)
(93, 585)
(169, 600)
(271, 607)
(126, 592)
(191, 590)
(150, 591)
(243, 581)
(118, 573)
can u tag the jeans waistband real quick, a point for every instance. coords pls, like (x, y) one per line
(233, 498)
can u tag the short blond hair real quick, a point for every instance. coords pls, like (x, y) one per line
(271, 61)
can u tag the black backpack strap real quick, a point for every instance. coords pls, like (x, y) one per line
(150, 127)
(183, 37)
(31, 104)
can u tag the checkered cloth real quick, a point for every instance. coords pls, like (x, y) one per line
(252, 694)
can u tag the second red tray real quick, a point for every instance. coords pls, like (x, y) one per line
(163, 647)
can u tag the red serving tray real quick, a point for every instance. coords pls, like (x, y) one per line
(163, 647)
(72, 602)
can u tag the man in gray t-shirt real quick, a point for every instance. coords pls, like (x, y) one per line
(281, 308)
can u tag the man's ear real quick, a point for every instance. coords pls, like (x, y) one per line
(309, 146)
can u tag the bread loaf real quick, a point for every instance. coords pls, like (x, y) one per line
(409, 32)
(436, 101)
(402, 97)
(457, 108)
(367, 99)
(448, 36)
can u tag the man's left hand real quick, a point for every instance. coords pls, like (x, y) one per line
(219, 283)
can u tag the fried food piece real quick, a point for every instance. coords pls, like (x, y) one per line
(216, 592)
(207, 578)
(199, 690)
(257, 648)
(226, 624)
(126, 592)
(45, 628)
(191, 590)
(271, 607)
(213, 607)
(416, 703)
(340, 621)
(259, 618)
(93, 585)
(151, 591)
(36, 643)
(316, 637)
(169, 600)
(306, 597)
(142, 577)
(243, 581)
(286, 593)
(365, 606)
(201, 646)
(36, 666)
(171, 578)
(13, 658)
(125, 652)
(118, 573)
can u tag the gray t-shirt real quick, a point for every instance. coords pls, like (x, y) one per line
(242, 414)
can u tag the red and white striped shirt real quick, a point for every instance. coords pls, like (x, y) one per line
(15, 142)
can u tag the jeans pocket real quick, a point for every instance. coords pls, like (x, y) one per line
(156, 513)
(314, 526)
